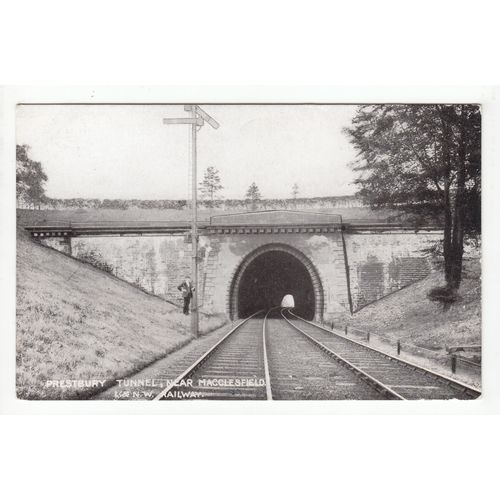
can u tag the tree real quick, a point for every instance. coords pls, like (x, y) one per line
(30, 179)
(210, 186)
(295, 193)
(253, 195)
(424, 161)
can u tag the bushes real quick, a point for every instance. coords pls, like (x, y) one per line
(444, 295)
(229, 204)
(95, 258)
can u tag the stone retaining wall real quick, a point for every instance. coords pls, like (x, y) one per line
(354, 269)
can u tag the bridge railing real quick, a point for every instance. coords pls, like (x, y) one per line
(110, 223)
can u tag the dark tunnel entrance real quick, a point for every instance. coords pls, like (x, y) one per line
(268, 278)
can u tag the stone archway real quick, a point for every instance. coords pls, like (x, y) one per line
(291, 271)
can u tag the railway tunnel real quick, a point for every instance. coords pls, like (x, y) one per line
(268, 276)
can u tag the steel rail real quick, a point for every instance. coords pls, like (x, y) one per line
(269, 392)
(376, 384)
(449, 381)
(201, 360)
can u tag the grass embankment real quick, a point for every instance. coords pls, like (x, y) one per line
(137, 214)
(75, 322)
(409, 316)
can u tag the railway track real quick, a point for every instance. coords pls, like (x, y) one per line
(234, 368)
(302, 370)
(290, 358)
(405, 380)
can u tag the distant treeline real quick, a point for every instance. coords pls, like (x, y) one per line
(120, 204)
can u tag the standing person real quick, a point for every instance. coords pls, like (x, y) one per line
(187, 289)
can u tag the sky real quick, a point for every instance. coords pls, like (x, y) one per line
(125, 151)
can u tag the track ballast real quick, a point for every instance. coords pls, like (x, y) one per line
(289, 358)
(408, 380)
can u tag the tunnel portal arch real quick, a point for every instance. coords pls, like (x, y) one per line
(294, 255)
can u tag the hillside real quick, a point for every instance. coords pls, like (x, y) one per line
(76, 322)
(422, 326)
(156, 214)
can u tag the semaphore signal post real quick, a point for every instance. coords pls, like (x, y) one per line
(197, 119)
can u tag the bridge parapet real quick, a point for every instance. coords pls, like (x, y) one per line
(276, 218)
(274, 222)
(103, 228)
(269, 221)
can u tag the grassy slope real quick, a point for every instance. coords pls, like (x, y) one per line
(410, 316)
(76, 322)
(135, 214)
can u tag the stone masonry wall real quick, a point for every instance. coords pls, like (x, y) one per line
(155, 263)
(60, 243)
(378, 263)
(381, 263)
(158, 263)
(325, 251)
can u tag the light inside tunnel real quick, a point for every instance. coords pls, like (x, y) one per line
(271, 276)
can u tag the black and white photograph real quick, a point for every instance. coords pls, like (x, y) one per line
(242, 251)
(249, 250)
